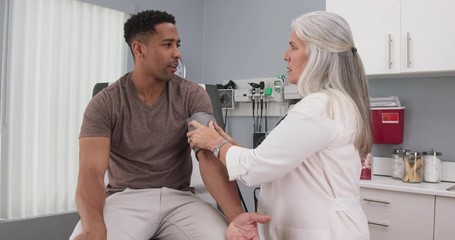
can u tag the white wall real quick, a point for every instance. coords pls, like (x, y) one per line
(247, 39)
(119, 5)
(2, 30)
(429, 114)
(189, 16)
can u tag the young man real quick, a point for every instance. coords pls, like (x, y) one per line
(136, 130)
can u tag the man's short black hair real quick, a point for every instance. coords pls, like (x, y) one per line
(143, 23)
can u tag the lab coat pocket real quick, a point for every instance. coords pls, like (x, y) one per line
(290, 233)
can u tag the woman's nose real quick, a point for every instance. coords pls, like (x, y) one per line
(285, 56)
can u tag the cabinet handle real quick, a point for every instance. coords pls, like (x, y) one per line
(375, 201)
(408, 49)
(378, 224)
(389, 44)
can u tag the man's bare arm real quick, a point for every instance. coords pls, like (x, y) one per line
(216, 180)
(90, 193)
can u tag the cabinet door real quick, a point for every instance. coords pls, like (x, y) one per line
(444, 219)
(398, 215)
(375, 26)
(432, 38)
(389, 226)
(401, 203)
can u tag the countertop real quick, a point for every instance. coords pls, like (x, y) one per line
(391, 184)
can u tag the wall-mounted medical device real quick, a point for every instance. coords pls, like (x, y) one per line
(273, 92)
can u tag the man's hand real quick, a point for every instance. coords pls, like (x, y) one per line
(244, 226)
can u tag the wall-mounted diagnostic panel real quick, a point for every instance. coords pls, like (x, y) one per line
(271, 95)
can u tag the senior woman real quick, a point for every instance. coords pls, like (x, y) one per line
(309, 164)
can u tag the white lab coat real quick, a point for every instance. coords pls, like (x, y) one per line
(309, 171)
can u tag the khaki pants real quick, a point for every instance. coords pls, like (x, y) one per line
(161, 213)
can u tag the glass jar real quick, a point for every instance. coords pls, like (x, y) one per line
(398, 163)
(432, 166)
(413, 167)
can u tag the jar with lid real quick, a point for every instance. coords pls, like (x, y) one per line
(432, 166)
(398, 163)
(413, 167)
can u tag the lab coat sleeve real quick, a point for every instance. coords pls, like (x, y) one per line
(304, 132)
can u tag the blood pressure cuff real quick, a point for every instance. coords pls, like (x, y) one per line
(204, 119)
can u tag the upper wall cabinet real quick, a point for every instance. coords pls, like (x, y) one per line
(401, 36)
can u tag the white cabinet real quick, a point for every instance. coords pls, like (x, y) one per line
(444, 219)
(397, 215)
(430, 25)
(376, 32)
(401, 36)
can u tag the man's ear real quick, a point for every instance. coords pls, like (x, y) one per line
(138, 48)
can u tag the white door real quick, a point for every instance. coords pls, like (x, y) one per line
(375, 26)
(444, 218)
(430, 25)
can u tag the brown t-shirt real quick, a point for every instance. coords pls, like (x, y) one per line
(149, 147)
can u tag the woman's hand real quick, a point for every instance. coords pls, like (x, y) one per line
(245, 226)
(204, 137)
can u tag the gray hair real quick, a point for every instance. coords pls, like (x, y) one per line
(334, 67)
